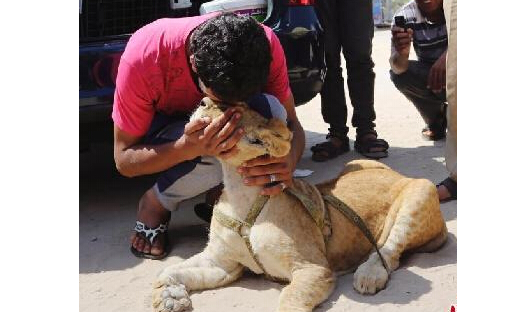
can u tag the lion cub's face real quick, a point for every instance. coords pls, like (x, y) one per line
(262, 136)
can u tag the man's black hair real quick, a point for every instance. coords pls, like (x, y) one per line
(232, 56)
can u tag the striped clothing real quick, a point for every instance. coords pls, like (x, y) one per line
(430, 39)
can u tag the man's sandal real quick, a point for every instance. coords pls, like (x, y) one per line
(149, 234)
(327, 150)
(366, 147)
(451, 186)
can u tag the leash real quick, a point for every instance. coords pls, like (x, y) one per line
(356, 219)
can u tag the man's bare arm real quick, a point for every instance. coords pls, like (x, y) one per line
(201, 137)
(401, 44)
(299, 137)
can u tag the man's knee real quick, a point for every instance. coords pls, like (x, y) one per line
(187, 180)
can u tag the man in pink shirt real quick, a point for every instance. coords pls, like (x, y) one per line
(167, 67)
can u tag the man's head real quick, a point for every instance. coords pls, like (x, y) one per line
(429, 7)
(231, 56)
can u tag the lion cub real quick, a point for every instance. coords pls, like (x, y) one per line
(402, 214)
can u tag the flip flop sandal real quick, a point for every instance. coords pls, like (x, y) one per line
(150, 234)
(327, 150)
(364, 148)
(451, 186)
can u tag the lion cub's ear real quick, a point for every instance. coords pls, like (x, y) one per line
(280, 129)
(276, 137)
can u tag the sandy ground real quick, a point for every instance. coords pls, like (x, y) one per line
(112, 279)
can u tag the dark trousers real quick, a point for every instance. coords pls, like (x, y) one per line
(348, 27)
(412, 83)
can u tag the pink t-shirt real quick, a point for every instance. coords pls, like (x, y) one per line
(154, 75)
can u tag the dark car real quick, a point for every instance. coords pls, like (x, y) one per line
(106, 25)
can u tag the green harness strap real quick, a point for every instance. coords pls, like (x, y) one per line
(237, 225)
(321, 218)
(321, 221)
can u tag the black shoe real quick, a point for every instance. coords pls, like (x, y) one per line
(203, 211)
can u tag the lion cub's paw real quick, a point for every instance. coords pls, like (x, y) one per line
(370, 277)
(171, 298)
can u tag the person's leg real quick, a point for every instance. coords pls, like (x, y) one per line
(431, 106)
(334, 109)
(450, 8)
(356, 33)
(152, 215)
(333, 100)
(174, 185)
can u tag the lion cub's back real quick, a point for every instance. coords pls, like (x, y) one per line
(369, 188)
(368, 191)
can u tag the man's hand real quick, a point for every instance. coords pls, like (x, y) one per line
(216, 137)
(402, 40)
(437, 75)
(258, 171)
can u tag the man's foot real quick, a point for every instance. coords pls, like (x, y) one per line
(149, 239)
(370, 146)
(431, 135)
(447, 190)
(435, 131)
(333, 147)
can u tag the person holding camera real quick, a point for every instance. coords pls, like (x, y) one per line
(431, 81)
(422, 81)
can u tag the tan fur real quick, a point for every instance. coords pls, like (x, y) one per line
(402, 213)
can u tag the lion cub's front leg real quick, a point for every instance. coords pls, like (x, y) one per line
(202, 271)
(310, 285)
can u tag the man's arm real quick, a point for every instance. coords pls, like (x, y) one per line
(201, 137)
(437, 75)
(299, 138)
(401, 44)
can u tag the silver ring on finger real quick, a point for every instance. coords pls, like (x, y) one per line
(272, 177)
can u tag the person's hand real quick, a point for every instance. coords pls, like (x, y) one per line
(402, 40)
(437, 75)
(218, 137)
(259, 172)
